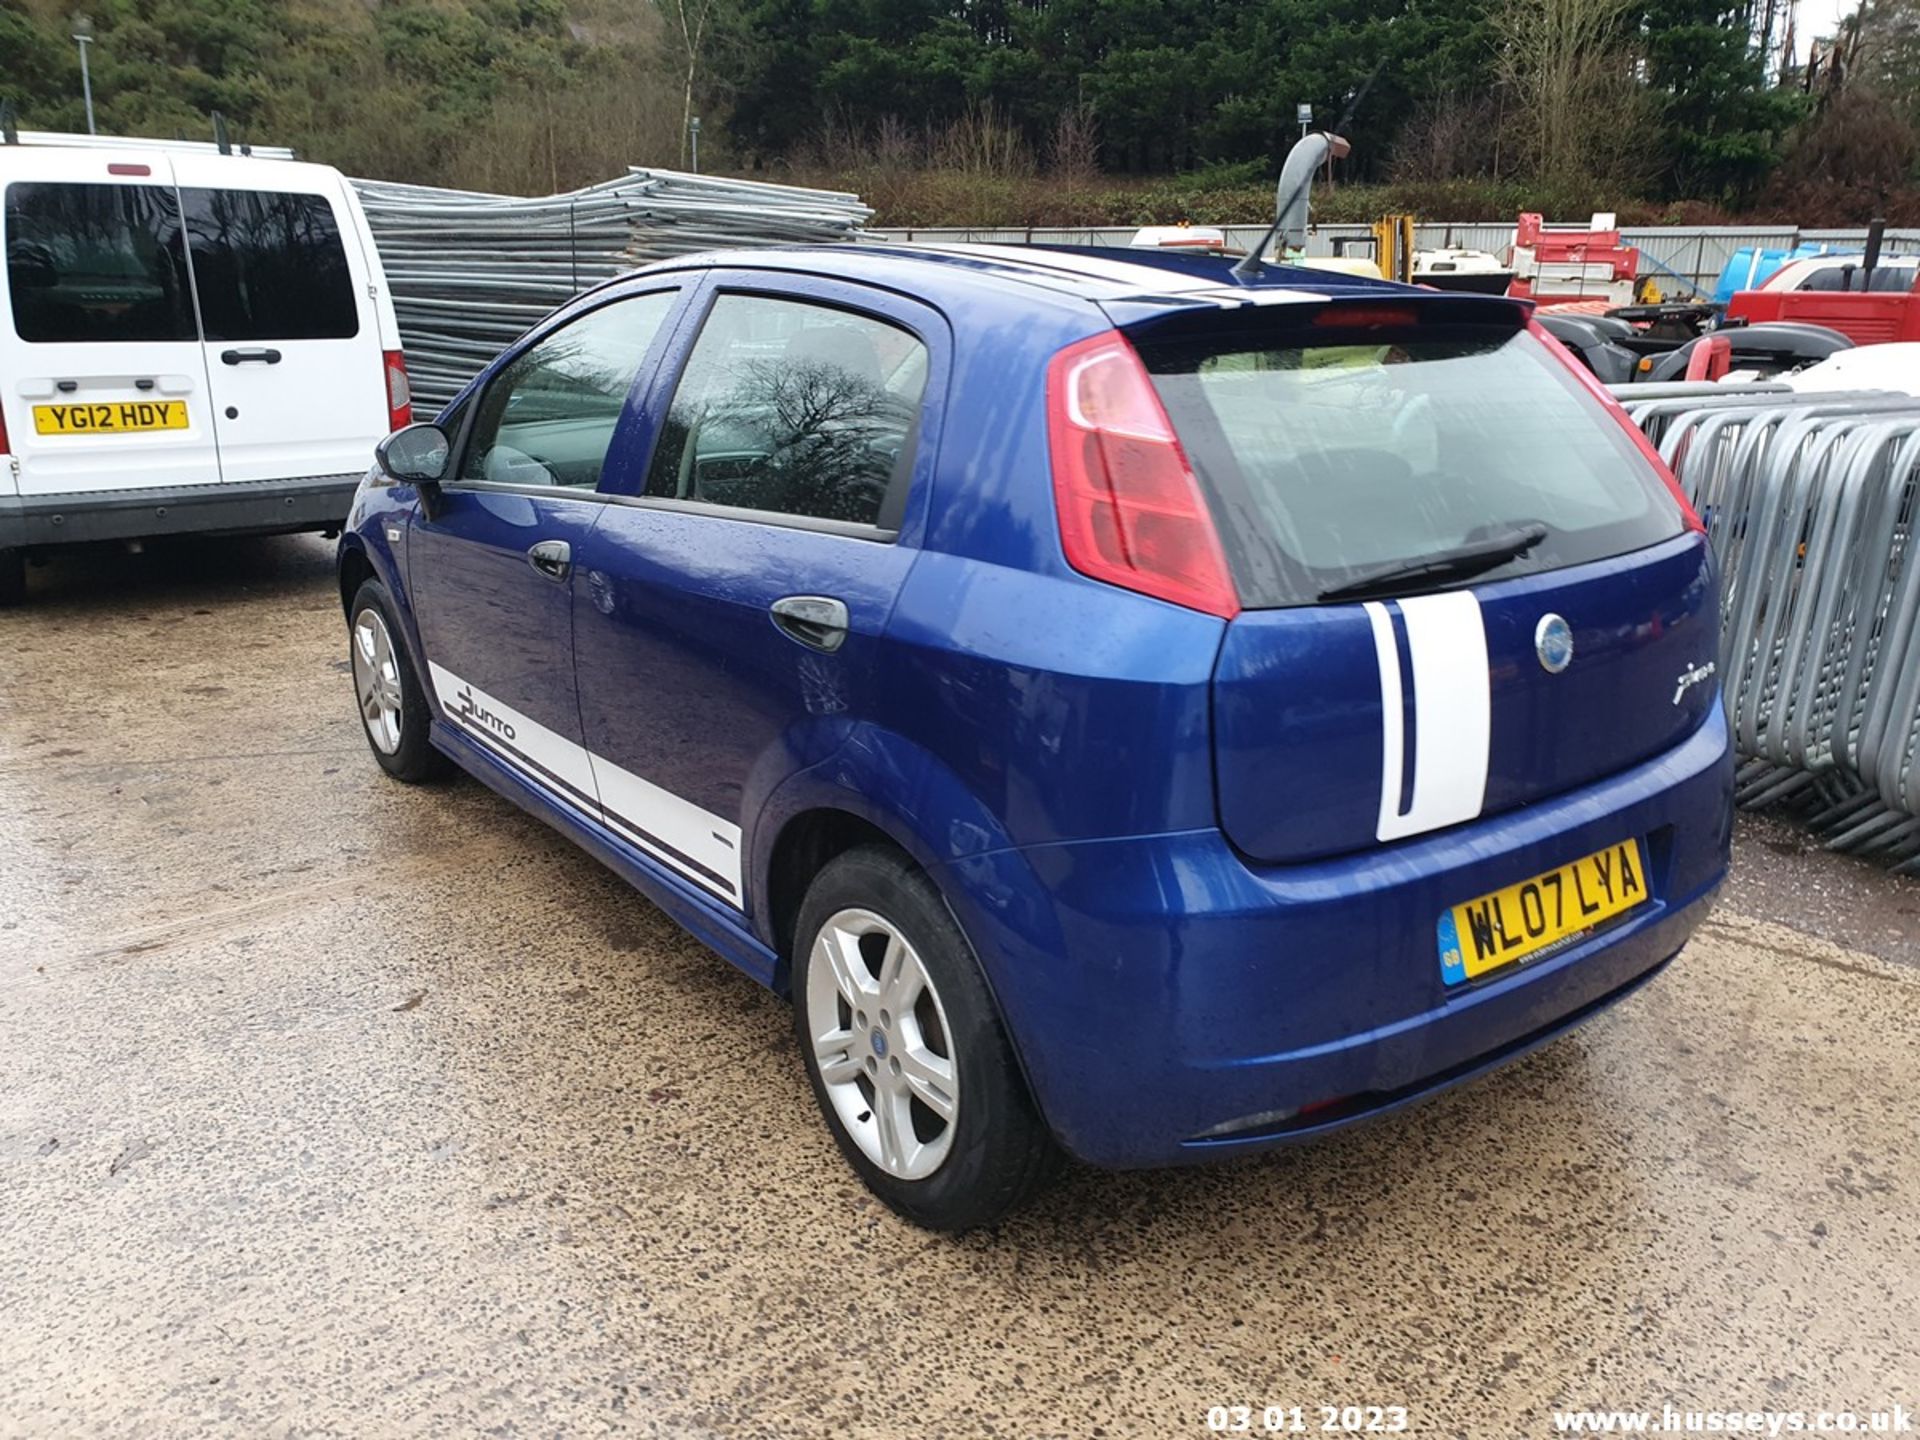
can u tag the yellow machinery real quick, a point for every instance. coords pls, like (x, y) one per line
(1391, 237)
(1393, 247)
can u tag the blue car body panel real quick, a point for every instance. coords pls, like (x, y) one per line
(1196, 940)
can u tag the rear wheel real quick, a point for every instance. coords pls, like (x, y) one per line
(393, 706)
(908, 1060)
(13, 577)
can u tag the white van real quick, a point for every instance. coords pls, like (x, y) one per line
(191, 341)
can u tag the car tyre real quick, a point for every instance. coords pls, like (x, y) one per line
(392, 703)
(13, 577)
(904, 1048)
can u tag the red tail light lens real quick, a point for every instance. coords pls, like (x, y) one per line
(399, 390)
(4, 450)
(1605, 396)
(1131, 511)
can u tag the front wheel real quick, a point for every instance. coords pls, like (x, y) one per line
(393, 705)
(905, 1051)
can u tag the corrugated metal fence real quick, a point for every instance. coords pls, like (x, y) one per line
(1695, 254)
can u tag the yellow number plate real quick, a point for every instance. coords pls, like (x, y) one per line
(116, 417)
(1538, 914)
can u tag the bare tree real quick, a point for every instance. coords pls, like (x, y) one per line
(1448, 136)
(1073, 150)
(1572, 71)
(693, 25)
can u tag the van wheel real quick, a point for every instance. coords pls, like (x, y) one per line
(393, 707)
(908, 1059)
(13, 577)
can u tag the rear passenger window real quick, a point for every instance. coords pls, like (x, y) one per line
(793, 409)
(546, 419)
(96, 264)
(269, 265)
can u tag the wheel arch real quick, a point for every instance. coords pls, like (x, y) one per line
(355, 567)
(806, 843)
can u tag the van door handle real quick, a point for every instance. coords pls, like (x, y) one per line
(552, 558)
(817, 621)
(249, 357)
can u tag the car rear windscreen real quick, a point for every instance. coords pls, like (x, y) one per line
(269, 265)
(96, 263)
(1329, 462)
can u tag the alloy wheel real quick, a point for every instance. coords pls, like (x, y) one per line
(376, 680)
(881, 1041)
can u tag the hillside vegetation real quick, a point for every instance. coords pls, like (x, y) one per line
(1034, 111)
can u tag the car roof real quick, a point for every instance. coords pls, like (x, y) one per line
(1101, 274)
(1789, 275)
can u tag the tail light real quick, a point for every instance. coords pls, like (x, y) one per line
(5, 449)
(1605, 396)
(1131, 511)
(399, 391)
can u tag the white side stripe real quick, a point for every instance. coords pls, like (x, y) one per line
(695, 843)
(695, 833)
(1452, 712)
(521, 733)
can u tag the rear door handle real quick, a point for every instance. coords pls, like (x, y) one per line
(817, 621)
(552, 558)
(249, 357)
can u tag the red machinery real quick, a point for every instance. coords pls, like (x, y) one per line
(1864, 315)
(1572, 262)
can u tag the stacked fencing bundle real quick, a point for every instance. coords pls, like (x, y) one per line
(1811, 502)
(469, 272)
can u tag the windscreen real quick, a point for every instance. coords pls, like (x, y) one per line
(1329, 461)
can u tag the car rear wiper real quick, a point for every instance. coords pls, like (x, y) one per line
(1459, 563)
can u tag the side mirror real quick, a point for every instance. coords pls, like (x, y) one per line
(414, 455)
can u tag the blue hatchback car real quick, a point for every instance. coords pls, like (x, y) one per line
(1133, 710)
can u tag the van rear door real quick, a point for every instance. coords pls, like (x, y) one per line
(103, 380)
(293, 350)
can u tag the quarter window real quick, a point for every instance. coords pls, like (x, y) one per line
(793, 409)
(548, 417)
(97, 263)
(269, 265)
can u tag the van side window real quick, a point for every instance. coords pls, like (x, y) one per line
(792, 408)
(96, 264)
(547, 418)
(269, 265)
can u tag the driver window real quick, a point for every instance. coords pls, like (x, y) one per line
(792, 408)
(547, 418)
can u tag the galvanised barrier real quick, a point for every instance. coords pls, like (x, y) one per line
(1811, 502)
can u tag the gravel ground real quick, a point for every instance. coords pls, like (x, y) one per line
(335, 1108)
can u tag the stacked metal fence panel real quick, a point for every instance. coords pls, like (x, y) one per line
(469, 272)
(1811, 502)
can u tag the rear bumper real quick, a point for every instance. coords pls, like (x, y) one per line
(1173, 1003)
(313, 502)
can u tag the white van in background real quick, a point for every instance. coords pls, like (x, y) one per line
(191, 341)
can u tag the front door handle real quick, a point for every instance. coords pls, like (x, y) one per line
(818, 621)
(249, 357)
(552, 558)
